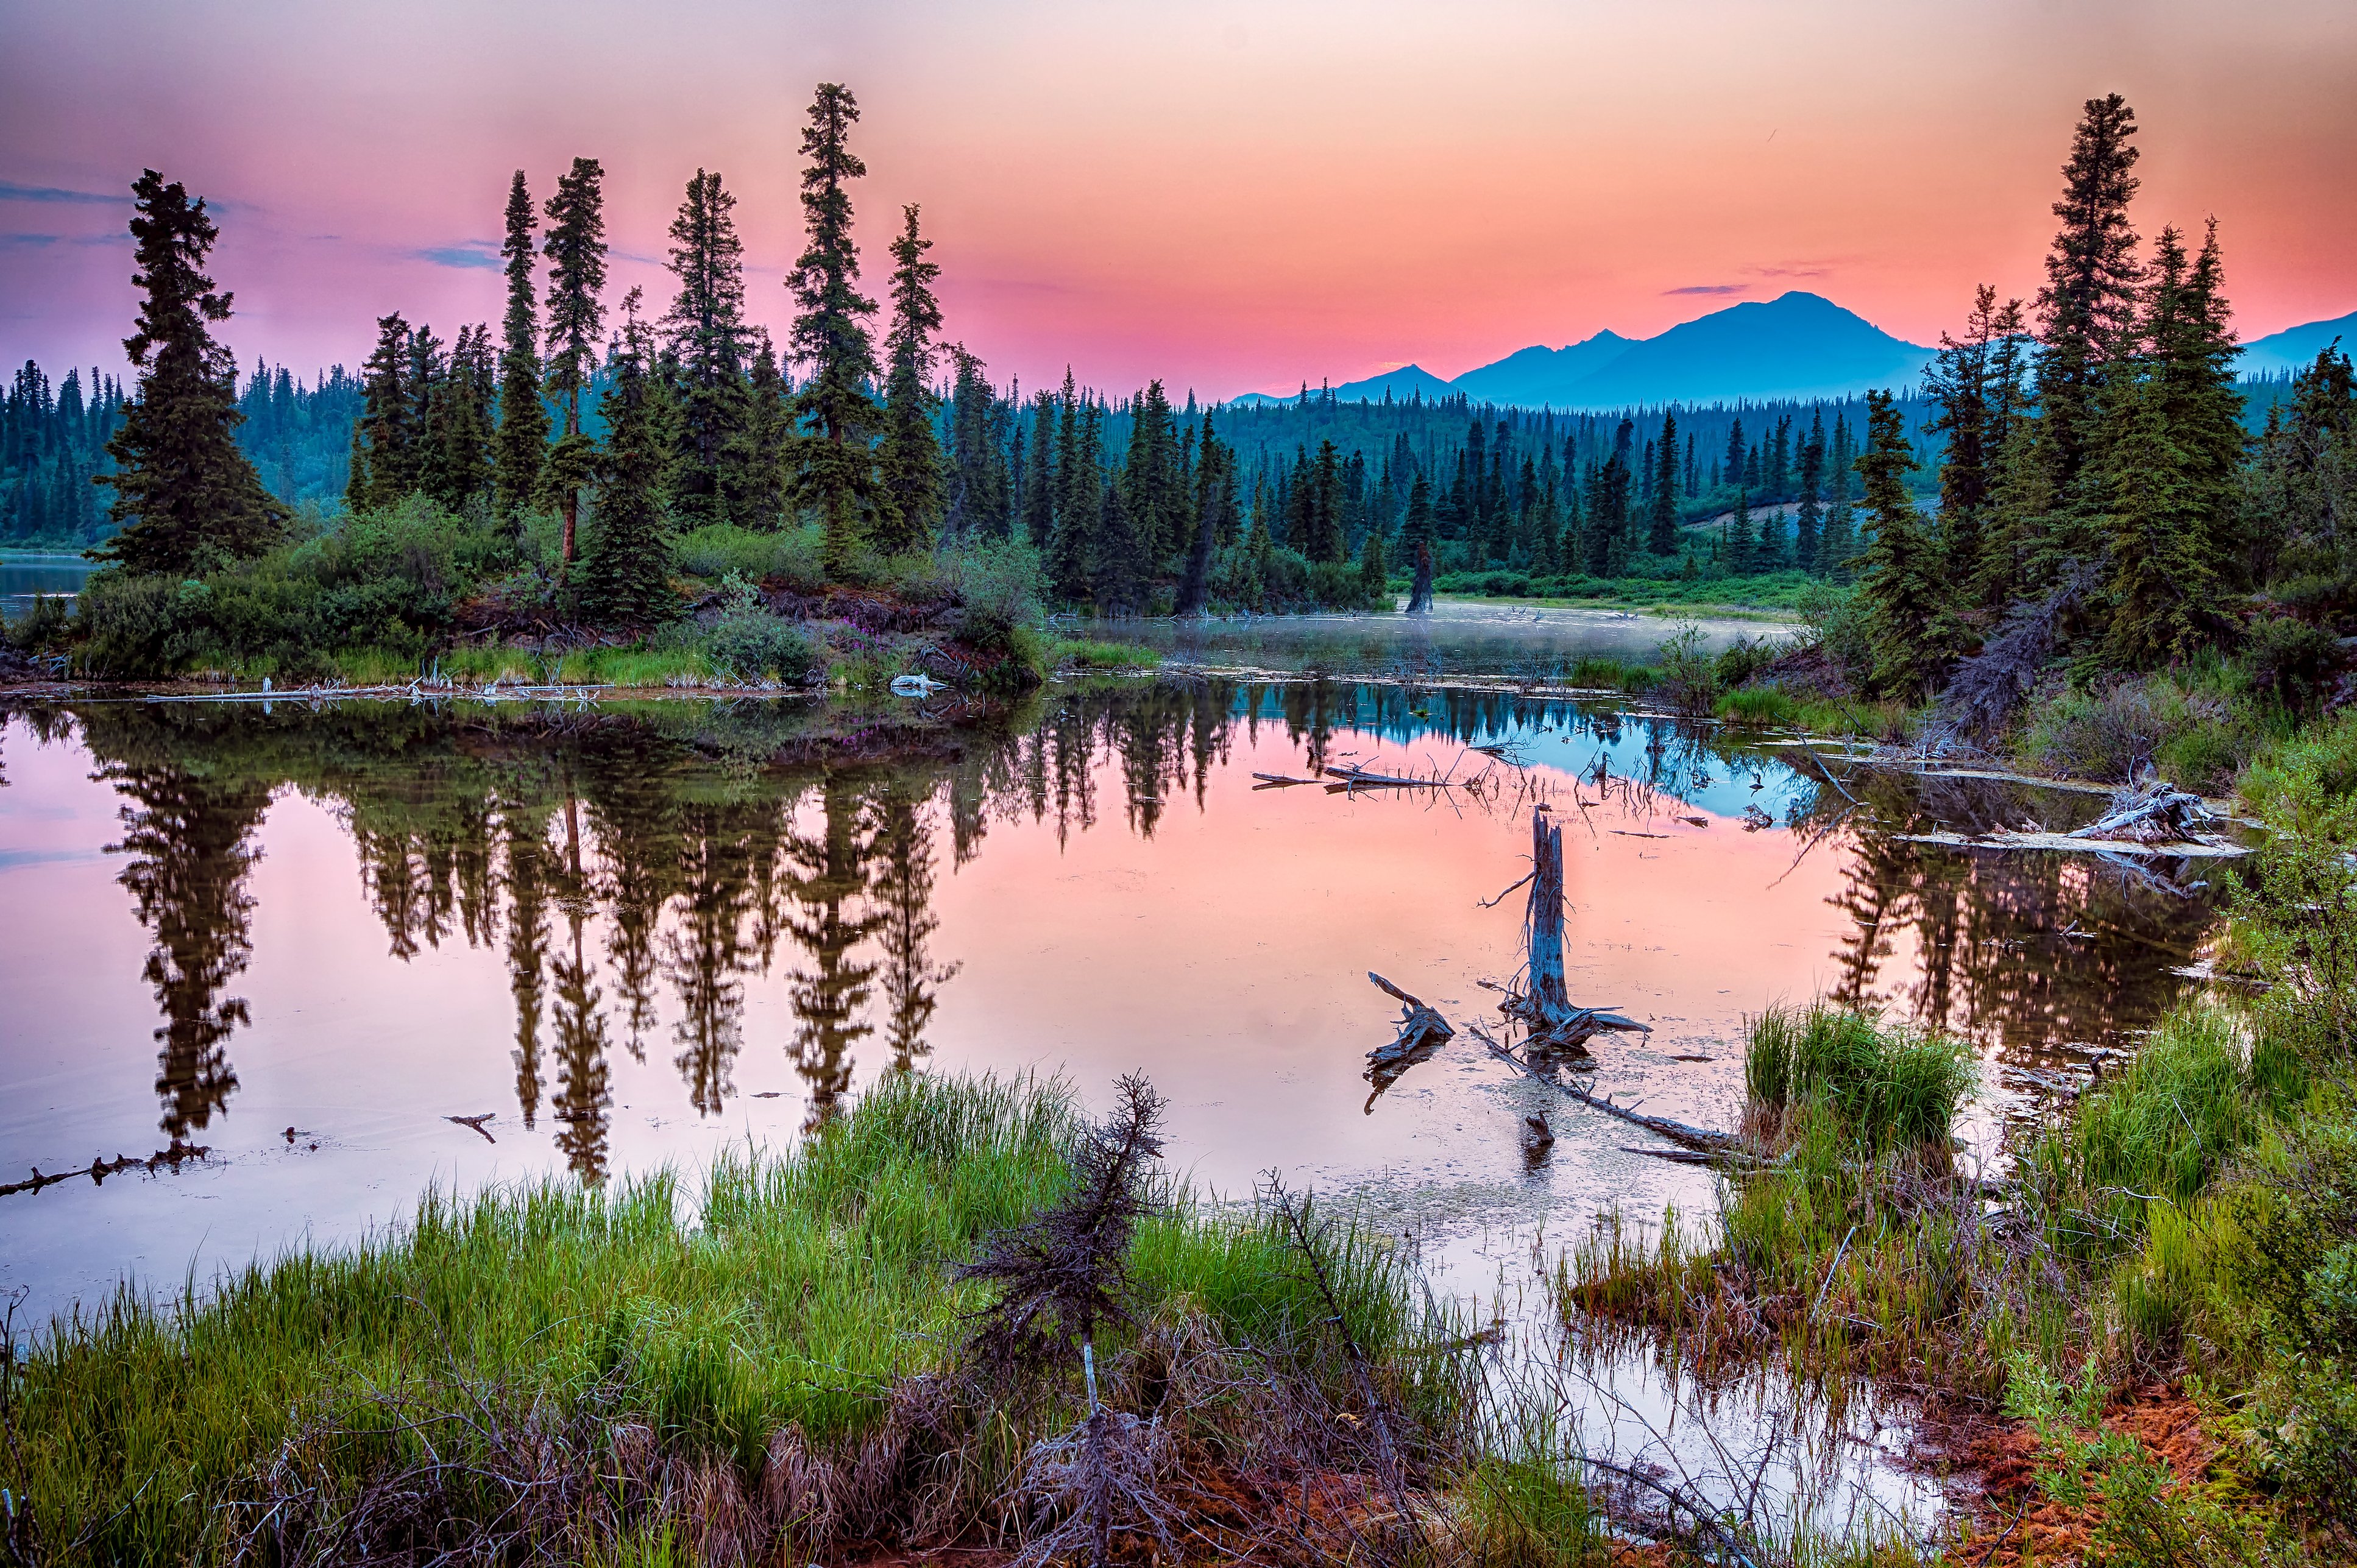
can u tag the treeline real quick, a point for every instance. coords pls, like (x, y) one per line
(2101, 502)
(51, 443)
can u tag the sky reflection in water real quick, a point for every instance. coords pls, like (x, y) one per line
(305, 940)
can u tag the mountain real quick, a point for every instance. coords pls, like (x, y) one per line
(1538, 375)
(1399, 383)
(2296, 347)
(1797, 345)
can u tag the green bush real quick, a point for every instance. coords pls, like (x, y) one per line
(1688, 679)
(2292, 659)
(718, 550)
(749, 643)
(2195, 737)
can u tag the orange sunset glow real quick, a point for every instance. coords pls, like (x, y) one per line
(1232, 198)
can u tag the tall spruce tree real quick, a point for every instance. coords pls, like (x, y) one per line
(626, 571)
(2088, 308)
(575, 249)
(1965, 385)
(1902, 585)
(1040, 481)
(837, 476)
(523, 419)
(183, 487)
(2190, 346)
(910, 455)
(2159, 584)
(1417, 534)
(978, 478)
(707, 337)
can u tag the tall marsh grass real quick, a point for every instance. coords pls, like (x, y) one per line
(794, 1298)
(1883, 1087)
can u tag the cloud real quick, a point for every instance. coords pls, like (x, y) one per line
(28, 239)
(466, 254)
(12, 192)
(1709, 288)
(1801, 272)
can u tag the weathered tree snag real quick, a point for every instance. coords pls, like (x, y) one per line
(1554, 1024)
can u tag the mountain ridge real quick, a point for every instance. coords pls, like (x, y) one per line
(1798, 345)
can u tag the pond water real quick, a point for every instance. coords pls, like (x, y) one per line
(307, 939)
(23, 577)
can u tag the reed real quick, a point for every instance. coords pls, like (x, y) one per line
(787, 1316)
(1882, 1087)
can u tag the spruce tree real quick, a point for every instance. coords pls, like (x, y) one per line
(1215, 500)
(1039, 481)
(1417, 536)
(1374, 573)
(2190, 342)
(830, 337)
(1732, 473)
(626, 571)
(2088, 308)
(705, 336)
(1080, 508)
(755, 476)
(910, 458)
(575, 249)
(1662, 526)
(1808, 520)
(978, 478)
(524, 420)
(183, 487)
(1901, 584)
(2160, 582)
(385, 437)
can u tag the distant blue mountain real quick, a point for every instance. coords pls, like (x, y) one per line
(2296, 347)
(1795, 346)
(1538, 375)
(1798, 345)
(1399, 383)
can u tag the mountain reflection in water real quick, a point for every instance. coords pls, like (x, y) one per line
(634, 866)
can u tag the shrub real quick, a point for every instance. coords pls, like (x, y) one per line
(2291, 658)
(720, 550)
(1836, 620)
(2115, 734)
(1688, 678)
(750, 644)
(998, 579)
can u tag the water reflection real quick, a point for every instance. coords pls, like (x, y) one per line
(652, 864)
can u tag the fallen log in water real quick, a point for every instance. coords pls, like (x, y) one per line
(2191, 849)
(1354, 776)
(1703, 1138)
(98, 1170)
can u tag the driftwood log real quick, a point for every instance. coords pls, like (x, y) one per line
(1422, 1032)
(1703, 1140)
(2154, 811)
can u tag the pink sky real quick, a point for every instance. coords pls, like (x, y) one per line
(1230, 196)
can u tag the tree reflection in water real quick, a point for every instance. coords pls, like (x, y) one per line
(657, 861)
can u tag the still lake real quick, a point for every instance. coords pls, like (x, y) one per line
(307, 939)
